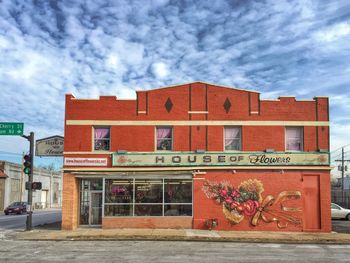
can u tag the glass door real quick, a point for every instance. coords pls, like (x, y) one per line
(95, 217)
(91, 202)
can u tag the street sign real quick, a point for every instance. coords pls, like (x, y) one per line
(11, 128)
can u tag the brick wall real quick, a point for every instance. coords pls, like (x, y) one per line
(70, 202)
(147, 222)
(197, 98)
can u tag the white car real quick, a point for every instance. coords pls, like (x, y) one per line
(339, 212)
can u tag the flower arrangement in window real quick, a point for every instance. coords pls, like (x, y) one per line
(246, 201)
(116, 189)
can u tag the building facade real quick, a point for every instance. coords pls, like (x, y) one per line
(12, 186)
(197, 156)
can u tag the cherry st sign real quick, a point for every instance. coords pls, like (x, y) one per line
(11, 128)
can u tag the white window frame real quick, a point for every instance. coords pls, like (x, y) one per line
(93, 138)
(301, 139)
(156, 139)
(240, 138)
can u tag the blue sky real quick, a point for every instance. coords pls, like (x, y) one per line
(92, 48)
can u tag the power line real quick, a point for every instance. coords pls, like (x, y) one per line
(340, 148)
(11, 153)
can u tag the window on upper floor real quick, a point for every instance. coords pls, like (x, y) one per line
(294, 138)
(233, 138)
(164, 138)
(102, 138)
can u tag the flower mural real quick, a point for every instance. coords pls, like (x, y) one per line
(246, 201)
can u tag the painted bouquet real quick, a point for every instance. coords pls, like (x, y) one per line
(246, 200)
(237, 202)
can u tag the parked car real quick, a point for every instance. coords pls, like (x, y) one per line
(339, 212)
(16, 208)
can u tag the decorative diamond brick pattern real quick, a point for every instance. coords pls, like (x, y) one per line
(168, 105)
(227, 105)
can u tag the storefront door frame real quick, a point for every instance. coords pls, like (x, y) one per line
(90, 202)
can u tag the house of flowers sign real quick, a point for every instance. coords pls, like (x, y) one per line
(219, 159)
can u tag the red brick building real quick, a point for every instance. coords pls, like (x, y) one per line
(198, 156)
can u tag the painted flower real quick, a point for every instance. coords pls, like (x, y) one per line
(228, 200)
(253, 185)
(223, 193)
(234, 204)
(122, 159)
(322, 159)
(250, 207)
(235, 193)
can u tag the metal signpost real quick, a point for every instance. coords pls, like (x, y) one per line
(16, 129)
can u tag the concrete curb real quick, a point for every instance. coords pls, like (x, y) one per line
(182, 235)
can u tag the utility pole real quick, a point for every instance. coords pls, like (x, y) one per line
(30, 171)
(342, 170)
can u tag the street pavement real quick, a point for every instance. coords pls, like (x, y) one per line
(40, 217)
(168, 251)
(48, 243)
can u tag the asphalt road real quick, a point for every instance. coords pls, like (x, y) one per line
(167, 251)
(40, 217)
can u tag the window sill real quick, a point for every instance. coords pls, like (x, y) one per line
(102, 151)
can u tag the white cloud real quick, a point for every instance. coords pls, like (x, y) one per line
(160, 70)
(113, 61)
(333, 33)
(109, 47)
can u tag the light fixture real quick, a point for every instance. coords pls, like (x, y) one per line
(121, 151)
(200, 151)
(270, 150)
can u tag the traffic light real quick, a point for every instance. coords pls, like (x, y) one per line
(36, 185)
(27, 163)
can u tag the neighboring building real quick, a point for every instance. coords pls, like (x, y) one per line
(346, 182)
(337, 177)
(197, 156)
(12, 186)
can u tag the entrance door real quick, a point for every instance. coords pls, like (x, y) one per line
(312, 213)
(95, 217)
(91, 202)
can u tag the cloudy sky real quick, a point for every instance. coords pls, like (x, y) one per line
(91, 48)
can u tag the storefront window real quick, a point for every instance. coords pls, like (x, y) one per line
(148, 210)
(119, 197)
(119, 191)
(148, 197)
(178, 210)
(148, 191)
(118, 210)
(178, 191)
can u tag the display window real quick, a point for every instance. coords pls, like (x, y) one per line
(148, 197)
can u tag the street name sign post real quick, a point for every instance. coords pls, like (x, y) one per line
(16, 128)
(11, 128)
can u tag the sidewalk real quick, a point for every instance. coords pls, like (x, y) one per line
(183, 235)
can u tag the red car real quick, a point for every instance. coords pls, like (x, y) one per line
(16, 208)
